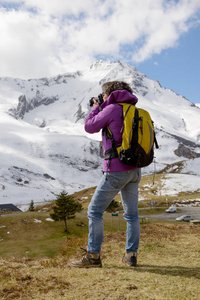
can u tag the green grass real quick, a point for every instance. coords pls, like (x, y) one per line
(37, 240)
(40, 240)
(30, 239)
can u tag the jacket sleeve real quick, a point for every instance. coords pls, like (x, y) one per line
(97, 120)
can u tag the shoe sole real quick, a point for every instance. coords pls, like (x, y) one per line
(127, 264)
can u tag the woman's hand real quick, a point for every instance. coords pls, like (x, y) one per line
(95, 103)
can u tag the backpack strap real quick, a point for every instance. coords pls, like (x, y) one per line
(155, 139)
(135, 123)
(112, 152)
(123, 116)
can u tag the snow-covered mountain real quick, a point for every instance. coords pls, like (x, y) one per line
(44, 148)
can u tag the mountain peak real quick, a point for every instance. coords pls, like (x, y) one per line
(46, 135)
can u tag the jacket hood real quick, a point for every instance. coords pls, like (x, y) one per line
(120, 96)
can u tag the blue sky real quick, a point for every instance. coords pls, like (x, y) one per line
(161, 38)
(178, 68)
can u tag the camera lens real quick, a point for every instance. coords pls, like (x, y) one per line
(91, 102)
(98, 99)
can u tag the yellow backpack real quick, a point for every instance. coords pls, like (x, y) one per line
(138, 138)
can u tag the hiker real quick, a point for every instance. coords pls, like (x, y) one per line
(117, 177)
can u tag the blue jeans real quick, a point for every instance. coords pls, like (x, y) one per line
(110, 184)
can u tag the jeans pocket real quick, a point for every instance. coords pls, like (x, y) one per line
(117, 179)
(136, 175)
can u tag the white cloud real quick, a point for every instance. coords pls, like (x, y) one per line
(44, 38)
(28, 44)
(166, 28)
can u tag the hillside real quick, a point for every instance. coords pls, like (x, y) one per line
(44, 148)
(168, 267)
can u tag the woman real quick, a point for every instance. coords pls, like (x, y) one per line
(116, 178)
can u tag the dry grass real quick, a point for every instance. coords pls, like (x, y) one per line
(168, 268)
(35, 257)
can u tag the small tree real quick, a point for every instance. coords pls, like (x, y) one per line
(65, 208)
(31, 207)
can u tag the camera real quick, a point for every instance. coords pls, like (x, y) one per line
(99, 100)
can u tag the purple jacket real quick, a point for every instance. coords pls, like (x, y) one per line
(111, 114)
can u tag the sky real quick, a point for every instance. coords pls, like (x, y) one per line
(161, 38)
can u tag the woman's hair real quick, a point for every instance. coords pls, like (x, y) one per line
(112, 86)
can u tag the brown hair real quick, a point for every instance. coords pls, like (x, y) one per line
(112, 86)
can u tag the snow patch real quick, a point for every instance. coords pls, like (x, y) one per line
(37, 221)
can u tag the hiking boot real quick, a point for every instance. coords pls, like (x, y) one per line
(89, 260)
(130, 259)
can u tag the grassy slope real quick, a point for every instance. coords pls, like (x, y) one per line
(35, 257)
(169, 266)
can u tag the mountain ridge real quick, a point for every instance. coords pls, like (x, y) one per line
(42, 125)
